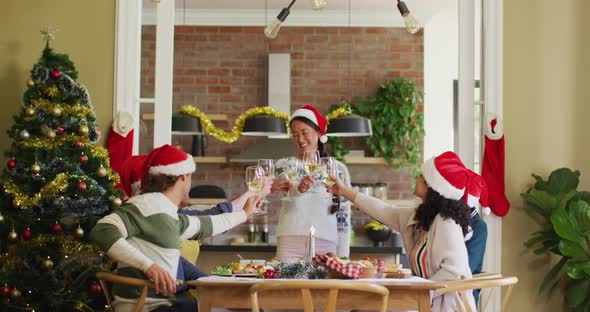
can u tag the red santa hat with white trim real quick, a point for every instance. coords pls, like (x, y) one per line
(311, 113)
(447, 175)
(169, 160)
(132, 171)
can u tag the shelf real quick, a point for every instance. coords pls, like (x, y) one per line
(212, 117)
(273, 248)
(210, 159)
(367, 160)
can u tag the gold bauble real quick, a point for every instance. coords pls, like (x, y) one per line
(101, 172)
(117, 201)
(15, 293)
(56, 111)
(35, 168)
(51, 134)
(16, 203)
(1, 218)
(12, 235)
(25, 134)
(30, 83)
(83, 130)
(79, 232)
(47, 264)
(30, 112)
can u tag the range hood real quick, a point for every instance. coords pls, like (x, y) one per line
(266, 149)
(279, 99)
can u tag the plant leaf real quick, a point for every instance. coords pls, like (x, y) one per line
(566, 227)
(577, 269)
(552, 274)
(563, 180)
(577, 292)
(579, 212)
(573, 250)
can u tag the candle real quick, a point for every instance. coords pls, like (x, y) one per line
(311, 242)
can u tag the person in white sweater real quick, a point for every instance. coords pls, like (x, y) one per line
(144, 234)
(433, 233)
(307, 203)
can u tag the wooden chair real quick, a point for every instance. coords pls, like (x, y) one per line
(104, 277)
(307, 286)
(483, 281)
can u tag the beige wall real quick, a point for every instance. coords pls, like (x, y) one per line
(546, 108)
(86, 33)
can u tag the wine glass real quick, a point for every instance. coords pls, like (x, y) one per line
(327, 168)
(268, 167)
(292, 170)
(255, 182)
(311, 160)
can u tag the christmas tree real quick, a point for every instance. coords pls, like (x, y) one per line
(57, 183)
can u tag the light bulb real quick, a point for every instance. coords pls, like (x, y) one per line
(272, 30)
(318, 4)
(412, 25)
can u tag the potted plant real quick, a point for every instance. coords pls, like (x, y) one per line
(377, 232)
(397, 126)
(564, 215)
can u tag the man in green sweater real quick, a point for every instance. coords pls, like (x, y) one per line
(144, 235)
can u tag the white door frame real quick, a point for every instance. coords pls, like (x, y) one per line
(127, 78)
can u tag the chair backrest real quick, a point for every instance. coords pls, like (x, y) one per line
(104, 277)
(307, 286)
(480, 282)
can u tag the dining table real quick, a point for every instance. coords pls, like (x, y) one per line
(412, 293)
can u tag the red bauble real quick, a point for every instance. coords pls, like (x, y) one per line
(56, 228)
(27, 234)
(270, 274)
(79, 144)
(81, 186)
(5, 290)
(11, 164)
(60, 130)
(83, 159)
(95, 288)
(55, 74)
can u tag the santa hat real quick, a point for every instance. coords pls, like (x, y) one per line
(447, 175)
(133, 170)
(169, 160)
(311, 113)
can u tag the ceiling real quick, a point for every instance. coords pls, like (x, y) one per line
(248, 12)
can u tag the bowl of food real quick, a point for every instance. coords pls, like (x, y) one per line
(253, 261)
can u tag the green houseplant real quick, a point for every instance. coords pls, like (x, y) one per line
(397, 125)
(564, 215)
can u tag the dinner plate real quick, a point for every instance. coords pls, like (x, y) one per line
(226, 275)
(246, 275)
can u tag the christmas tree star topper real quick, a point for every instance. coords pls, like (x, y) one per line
(47, 33)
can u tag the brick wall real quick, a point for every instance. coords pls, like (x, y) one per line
(224, 69)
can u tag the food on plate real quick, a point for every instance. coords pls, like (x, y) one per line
(391, 268)
(221, 270)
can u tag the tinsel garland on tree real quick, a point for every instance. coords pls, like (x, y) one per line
(57, 183)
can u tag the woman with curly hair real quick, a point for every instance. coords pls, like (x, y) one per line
(434, 233)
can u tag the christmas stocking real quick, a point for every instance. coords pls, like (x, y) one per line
(493, 167)
(120, 140)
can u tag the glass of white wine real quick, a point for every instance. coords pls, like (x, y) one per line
(311, 159)
(268, 166)
(255, 182)
(328, 167)
(292, 169)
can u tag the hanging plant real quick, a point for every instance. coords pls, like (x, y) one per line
(398, 128)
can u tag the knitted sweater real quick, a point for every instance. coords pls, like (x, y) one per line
(447, 255)
(312, 208)
(148, 230)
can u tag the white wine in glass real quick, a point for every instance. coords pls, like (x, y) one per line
(268, 166)
(292, 170)
(255, 182)
(328, 167)
(312, 161)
